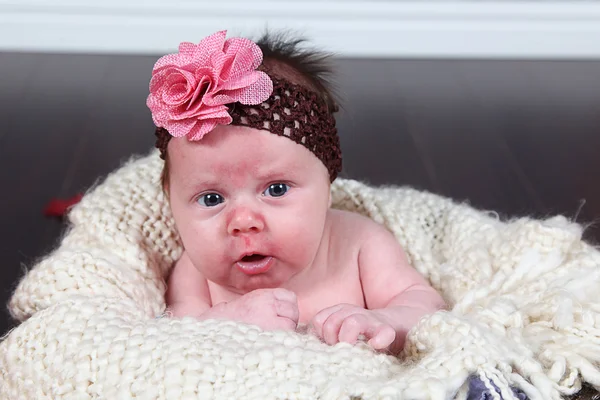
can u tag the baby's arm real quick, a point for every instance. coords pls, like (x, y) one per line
(187, 291)
(392, 287)
(396, 297)
(188, 295)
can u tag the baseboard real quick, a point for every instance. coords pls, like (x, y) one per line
(352, 28)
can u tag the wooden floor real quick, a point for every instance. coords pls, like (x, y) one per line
(520, 138)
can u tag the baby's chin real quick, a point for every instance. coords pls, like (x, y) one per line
(252, 286)
(255, 282)
(242, 283)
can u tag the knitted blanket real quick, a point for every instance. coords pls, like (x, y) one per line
(524, 310)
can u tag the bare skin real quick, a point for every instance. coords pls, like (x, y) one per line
(263, 246)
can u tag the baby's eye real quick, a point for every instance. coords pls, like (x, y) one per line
(276, 190)
(210, 200)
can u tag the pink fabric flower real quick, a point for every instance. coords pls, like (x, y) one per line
(190, 90)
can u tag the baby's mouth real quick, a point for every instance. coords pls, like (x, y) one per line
(253, 258)
(254, 264)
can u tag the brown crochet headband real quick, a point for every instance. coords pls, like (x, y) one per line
(291, 111)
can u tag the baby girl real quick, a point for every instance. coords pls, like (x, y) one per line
(250, 147)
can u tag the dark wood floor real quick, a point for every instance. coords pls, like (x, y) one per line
(520, 138)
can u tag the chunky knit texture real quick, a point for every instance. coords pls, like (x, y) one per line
(525, 310)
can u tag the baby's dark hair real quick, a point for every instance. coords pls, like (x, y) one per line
(284, 56)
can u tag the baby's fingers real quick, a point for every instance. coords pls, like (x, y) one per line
(383, 337)
(285, 295)
(352, 327)
(318, 321)
(288, 310)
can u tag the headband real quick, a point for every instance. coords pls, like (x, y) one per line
(221, 82)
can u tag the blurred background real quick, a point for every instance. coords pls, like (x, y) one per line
(495, 103)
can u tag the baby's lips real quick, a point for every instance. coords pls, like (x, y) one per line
(255, 266)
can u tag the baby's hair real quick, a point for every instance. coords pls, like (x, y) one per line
(285, 57)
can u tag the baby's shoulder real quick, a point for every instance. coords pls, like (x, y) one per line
(348, 223)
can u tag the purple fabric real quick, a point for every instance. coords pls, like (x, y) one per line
(478, 391)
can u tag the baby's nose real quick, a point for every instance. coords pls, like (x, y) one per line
(244, 220)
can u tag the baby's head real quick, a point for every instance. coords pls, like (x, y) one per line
(250, 147)
(297, 98)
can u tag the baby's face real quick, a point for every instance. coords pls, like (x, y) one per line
(250, 206)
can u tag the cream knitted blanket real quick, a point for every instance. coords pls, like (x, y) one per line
(524, 312)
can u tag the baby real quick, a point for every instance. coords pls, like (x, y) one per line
(251, 148)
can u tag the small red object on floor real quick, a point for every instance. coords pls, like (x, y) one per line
(59, 207)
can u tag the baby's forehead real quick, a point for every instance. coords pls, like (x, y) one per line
(229, 146)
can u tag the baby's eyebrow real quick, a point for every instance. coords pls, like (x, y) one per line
(284, 170)
(282, 174)
(195, 183)
(273, 175)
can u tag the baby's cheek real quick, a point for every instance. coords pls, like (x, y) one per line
(300, 244)
(213, 266)
(206, 252)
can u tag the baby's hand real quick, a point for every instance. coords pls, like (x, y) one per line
(270, 309)
(346, 322)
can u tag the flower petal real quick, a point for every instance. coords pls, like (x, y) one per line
(178, 88)
(237, 64)
(234, 46)
(216, 112)
(208, 46)
(205, 126)
(187, 49)
(204, 85)
(180, 128)
(255, 93)
(242, 81)
(201, 129)
(168, 60)
(206, 112)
